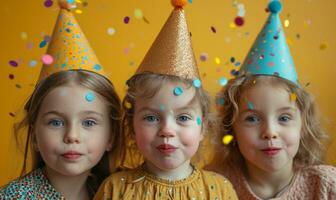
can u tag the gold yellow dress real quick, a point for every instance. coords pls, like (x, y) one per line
(139, 184)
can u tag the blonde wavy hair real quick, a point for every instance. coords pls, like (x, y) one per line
(313, 137)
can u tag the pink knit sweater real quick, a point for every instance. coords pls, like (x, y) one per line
(309, 183)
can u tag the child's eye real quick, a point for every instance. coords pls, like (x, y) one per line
(89, 123)
(284, 118)
(252, 119)
(56, 123)
(151, 118)
(184, 118)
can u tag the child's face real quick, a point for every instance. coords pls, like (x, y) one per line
(268, 128)
(168, 127)
(72, 132)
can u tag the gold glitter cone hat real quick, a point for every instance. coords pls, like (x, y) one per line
(68, 48)
(172, 53)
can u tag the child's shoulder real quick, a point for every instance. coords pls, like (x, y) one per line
(211, 177)
(32, 185)
(325, 173)
(125, 175)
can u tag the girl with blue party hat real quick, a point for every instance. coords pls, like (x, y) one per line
(72, 121)
(167, 114)
(277, 142)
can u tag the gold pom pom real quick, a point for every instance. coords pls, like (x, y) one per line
(179, 3)
(64, 4)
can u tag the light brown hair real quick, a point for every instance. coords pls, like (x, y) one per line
(313, 137)
(146, 85)
(92, 81)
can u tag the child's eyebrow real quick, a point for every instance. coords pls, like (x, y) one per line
(90, 112)
(87, 112)
(52, 112)
(288, 108)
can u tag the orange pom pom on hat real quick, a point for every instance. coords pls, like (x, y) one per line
(172, 53)
(69, 49)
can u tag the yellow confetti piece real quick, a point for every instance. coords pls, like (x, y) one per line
(232, 25)
(286, 23)
(227, 139)
(217, 61)
(79, 1)
(128, 105)
(254, 82)
(78, 11)
(293, 97)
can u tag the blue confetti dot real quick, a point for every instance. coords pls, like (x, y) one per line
(221, 101)
(190, 1)
(89, 96)
(237, 64)
(250, 105)
(162, 107)
(97, 67)
(197, 83)
(223, 81)
(43, 44)
(71, 1)
(32, 63)
(178, 91)
(199, 121)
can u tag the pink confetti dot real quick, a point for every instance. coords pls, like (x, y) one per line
(47, 59)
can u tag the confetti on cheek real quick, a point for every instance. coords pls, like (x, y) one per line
(126, 20)
(293, 97)
(13, 63)
(162, 107)
(199, 121)
(197, 83)
(227, 139)
(254, 82)
(250, 105)
(223, 81)
(89, 96)
(47, 59)
(178, 91)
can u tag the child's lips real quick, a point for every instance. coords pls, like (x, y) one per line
(271, 151)
(71, 155)
(166, 148)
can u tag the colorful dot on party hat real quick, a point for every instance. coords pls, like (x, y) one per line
(47, 59)
(178, 91)
(227, 139)
(138, 13)
(204, 57)
(239, 21)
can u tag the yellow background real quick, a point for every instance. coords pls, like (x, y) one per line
(311, 37)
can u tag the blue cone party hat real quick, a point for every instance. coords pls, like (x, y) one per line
(270, 54)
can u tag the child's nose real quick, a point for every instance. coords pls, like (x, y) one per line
(167, 129)
(269, 132)
(71, 135)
